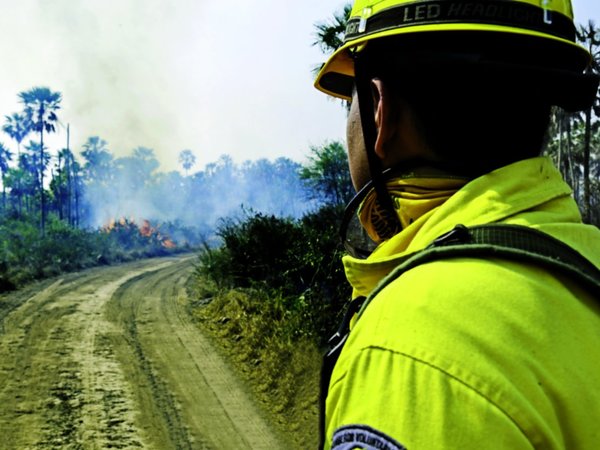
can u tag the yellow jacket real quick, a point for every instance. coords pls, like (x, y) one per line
(470, 353)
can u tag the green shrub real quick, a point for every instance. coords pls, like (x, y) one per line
(26, 254)
(327, 293)
(296, 262)
(279, 291)
(258, 249)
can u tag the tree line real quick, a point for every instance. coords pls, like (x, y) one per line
(63, 211)
(574, 142)
(89, 190)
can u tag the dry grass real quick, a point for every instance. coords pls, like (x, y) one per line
(282, 370)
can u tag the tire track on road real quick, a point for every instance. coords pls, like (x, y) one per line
(45, 402)
(109, 358)
(208, 398)
(109, 408)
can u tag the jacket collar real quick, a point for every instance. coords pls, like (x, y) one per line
(525, 192)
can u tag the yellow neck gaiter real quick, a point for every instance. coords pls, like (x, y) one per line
(412, 197)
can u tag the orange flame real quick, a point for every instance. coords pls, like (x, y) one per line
(146, 230)
(168, 243)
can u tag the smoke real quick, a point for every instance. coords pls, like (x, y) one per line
(215, 77)
(134, 188)
(117, 64)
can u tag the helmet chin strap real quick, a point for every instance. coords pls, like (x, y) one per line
(351, 211)
(366, 109)
(407, 169)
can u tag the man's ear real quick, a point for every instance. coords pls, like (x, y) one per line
(384, 120)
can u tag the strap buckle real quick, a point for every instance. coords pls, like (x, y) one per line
(459, 234)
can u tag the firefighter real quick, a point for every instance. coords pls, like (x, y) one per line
(450, 108)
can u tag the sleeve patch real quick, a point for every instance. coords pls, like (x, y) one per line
(362, 437)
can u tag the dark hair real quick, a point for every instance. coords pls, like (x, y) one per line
(481, 102)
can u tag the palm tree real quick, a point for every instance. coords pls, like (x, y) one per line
(99, 160)
(35, 162)
(144, 163)
(63, 184)
(560, 147)
(17, 127)
(30, 165)
(77, 186)
(14, 180)
(41, 105)
(187, 159)
(330, 35)
(328, 174)
(589, 35)
(5, 157)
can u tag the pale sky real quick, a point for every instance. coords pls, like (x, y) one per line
(211, 76)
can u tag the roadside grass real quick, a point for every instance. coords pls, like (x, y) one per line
(281, 368)
(271, 294)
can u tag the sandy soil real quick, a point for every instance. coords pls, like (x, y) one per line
(108, 358)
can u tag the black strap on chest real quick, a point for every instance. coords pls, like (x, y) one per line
(512, 242)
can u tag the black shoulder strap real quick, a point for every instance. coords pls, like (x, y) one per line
(512, 242)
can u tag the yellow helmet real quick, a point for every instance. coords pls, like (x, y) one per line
(550, 20)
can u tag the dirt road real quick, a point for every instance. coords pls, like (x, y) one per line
(108, 358)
